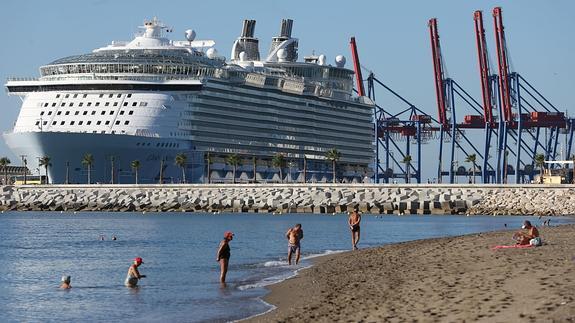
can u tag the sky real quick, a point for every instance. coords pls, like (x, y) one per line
(392, 38)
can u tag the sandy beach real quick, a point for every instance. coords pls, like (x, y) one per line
(439, 280)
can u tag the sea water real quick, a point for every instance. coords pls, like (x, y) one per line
(179, 252)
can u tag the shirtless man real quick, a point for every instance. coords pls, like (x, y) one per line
(353, 221)
(294, 236)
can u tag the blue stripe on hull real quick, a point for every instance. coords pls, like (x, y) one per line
(64, 147)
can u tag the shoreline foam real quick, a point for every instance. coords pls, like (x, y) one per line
(442, 279)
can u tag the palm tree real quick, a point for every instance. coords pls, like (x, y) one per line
(255, 165)
(472, 159)
(162, 170)
(45, 162)
(135, 167)
(407, 161)
(278, 161)
(4, 162)
(181, 160)
(333, 155)
(304, 168)
(88, 161)
(540, 162)
(233, 160)
(208, 163)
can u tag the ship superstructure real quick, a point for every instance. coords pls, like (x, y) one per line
(152, 98)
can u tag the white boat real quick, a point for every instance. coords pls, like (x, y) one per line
(152, 98)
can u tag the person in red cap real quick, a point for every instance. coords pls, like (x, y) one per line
(133, 273)
(223, 255)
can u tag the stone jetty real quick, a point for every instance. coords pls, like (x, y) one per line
(295, 198)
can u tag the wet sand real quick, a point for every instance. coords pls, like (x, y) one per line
(439, 280)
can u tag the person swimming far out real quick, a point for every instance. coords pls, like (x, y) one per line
(65, 282)
(223, 255)
(134, 275)
(530, 236)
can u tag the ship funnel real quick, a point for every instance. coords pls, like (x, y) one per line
(286, 27)
(246, 43)
(283, 41)
(249, 28)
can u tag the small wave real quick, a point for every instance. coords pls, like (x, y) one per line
(325, 253)
(283, 263)
(275, 263)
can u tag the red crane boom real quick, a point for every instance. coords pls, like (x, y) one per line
(502, 62)
(438, 71)
(357, 68)
(483, 68)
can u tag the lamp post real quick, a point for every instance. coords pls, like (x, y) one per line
(25, 161)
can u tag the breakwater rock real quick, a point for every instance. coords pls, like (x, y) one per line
(292, 198)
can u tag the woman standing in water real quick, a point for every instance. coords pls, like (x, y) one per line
(133, 273)
(223, 255)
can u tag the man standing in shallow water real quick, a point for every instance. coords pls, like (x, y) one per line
(294, 236)
(353, 221)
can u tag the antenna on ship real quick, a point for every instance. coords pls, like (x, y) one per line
(190, 35)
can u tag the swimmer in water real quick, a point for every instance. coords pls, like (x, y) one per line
(133, 273)
(65, 282)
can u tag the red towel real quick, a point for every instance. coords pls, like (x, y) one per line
(512, 246)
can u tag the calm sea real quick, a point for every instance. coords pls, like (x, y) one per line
(36, 249)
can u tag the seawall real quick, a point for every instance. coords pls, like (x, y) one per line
(300, 198)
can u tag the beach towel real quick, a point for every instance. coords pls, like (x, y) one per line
(512, 246)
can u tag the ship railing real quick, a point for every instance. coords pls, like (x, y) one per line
(118, 78)
(10, 79)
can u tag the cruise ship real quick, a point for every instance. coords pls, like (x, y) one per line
(152, 98)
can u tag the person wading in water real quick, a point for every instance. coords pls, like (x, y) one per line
(223, 256)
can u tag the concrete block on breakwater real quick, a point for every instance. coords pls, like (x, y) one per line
(301, 198)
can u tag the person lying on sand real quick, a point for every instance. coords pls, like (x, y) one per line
(523, 237)
(294, 236)
(133, 273)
